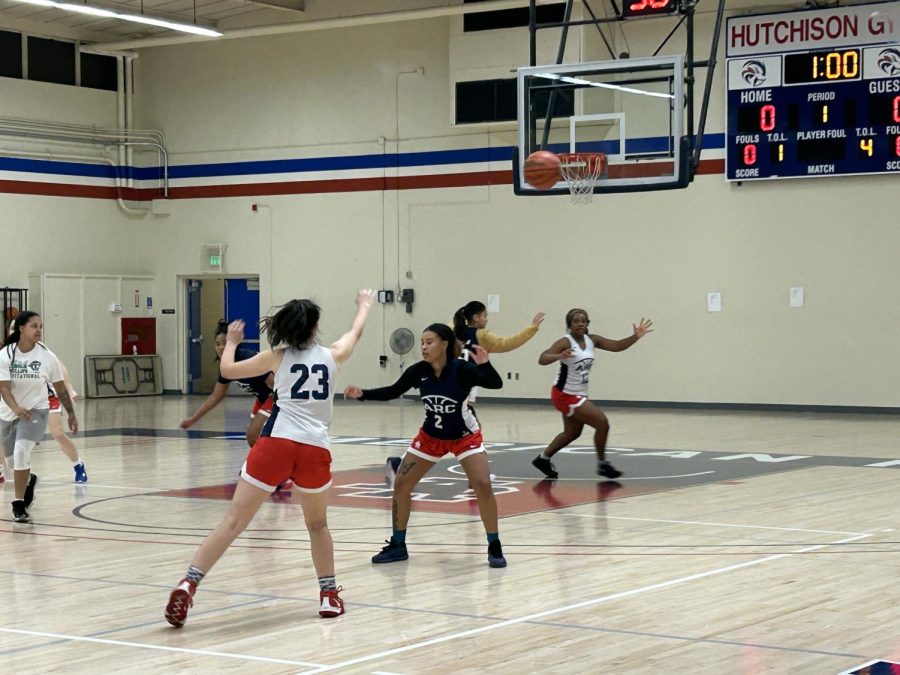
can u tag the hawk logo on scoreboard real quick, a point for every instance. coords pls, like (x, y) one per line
(889, 61)
(754, 73)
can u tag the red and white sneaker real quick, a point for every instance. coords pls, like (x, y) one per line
(331, 603)
(285, 486)
(181, 599)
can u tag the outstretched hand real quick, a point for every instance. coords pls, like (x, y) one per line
(479, 354)
(365, 296)
(353, 392)
(235, 334)
(641, 329)
(538, 318)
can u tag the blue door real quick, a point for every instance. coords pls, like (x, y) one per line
(242, 302)
(194, 333)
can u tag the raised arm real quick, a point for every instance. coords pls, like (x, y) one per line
(264, 362)
(409, 379)
(479, 372)
(496, 344)
(556, 352)
(343, 347)
(640, 330)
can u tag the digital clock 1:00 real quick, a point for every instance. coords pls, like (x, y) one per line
(822, 66)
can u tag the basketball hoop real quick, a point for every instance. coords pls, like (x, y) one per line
(581, 171)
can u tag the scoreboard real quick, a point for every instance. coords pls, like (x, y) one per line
(813, 93)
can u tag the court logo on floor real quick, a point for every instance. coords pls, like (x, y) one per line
(875, 667)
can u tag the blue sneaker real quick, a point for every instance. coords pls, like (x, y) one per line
(80, 473)
(495, 554)
(393, 552)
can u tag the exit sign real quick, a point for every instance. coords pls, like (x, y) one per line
(214, 257)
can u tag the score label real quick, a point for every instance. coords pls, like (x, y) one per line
(830, 111)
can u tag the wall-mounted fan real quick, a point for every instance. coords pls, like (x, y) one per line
(401, 341)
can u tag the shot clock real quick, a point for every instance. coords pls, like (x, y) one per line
(635, 8)
(814, 93)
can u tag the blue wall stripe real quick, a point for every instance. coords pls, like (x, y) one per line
(320, 164)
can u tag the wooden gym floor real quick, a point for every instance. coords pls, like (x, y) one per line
(736, 543)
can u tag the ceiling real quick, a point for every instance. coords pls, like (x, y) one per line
(228, 15)
(51, 22)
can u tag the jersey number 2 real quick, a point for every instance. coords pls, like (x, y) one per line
(320, 392)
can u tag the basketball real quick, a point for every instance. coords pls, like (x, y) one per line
(542, 170)
(11, 313)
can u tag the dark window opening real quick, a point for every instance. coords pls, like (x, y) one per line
(511, 18)
(51, 60)
(99, 72)
(495, 101)
(10, 54)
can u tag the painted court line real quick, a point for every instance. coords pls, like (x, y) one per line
(120, 629)
(578, 605)
(698, 522)
(140, 645)
(88, 486)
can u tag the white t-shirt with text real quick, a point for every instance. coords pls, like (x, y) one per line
(30, 373)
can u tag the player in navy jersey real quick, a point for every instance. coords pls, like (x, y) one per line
(294, 444)
(444, 382)
(470, 327)
(260, 386)
(569, 393)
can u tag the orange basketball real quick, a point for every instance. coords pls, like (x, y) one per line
(542, 170)
(11, 313)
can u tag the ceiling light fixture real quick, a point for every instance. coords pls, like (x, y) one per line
(136, 18)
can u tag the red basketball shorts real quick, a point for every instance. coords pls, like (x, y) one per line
(565, 403)
(272, 460)
(431, 448)
(264, 408)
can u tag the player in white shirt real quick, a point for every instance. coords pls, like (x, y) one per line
(293, 444)
(569, 393)
(27, 368)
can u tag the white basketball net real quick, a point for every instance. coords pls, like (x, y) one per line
(581, 172)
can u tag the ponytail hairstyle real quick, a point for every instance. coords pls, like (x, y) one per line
(463, 315)
(293, 325)
(445, 333)
(21, 319)
(570, 316)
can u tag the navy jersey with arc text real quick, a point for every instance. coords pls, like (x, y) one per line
(447, 416)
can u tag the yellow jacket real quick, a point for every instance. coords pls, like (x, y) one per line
(493, 343)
